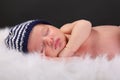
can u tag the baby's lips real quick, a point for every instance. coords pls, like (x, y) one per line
(57, 43)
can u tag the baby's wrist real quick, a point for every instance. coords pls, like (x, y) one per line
(66, 52)
(71, 50)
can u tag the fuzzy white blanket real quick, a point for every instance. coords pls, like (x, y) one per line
(16, 66)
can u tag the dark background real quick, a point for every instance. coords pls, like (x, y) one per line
(59, 12)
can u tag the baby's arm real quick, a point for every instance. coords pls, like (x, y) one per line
(80, 31)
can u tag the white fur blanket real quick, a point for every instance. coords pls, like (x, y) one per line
(16, 66)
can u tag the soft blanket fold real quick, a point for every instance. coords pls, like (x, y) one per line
(16, 66)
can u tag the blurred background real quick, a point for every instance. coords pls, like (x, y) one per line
(59, 12)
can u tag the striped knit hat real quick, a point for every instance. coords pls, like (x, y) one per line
(18, 36)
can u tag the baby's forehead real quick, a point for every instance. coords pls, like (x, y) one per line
(38, 28)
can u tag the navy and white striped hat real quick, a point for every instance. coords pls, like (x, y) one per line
(18, 36)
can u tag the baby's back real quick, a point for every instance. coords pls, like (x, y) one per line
(103, 40)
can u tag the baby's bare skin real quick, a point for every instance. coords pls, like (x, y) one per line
(75, 39)
(102, 40)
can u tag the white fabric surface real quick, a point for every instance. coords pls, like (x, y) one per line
(16, 66)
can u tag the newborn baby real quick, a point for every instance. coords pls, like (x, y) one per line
(73, 39)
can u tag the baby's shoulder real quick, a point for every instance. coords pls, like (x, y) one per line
(107, 30)
(106, 27)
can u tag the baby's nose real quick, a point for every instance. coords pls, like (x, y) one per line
(49, 41)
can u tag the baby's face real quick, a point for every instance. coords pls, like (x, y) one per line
(46, 39)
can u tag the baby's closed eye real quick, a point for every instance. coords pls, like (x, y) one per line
(45, 31)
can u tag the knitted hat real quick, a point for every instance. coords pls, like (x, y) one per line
(18, 36)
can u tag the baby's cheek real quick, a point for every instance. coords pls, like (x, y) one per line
(49, 52)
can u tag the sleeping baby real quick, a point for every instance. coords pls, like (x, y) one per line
(78, 38)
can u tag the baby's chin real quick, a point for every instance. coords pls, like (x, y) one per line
(60, 51)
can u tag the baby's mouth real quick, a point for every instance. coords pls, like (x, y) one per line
(57, 43)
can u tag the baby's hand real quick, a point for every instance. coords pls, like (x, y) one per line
(66, 52)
